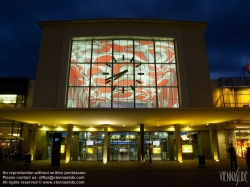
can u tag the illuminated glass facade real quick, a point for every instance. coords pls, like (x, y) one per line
(122, 73)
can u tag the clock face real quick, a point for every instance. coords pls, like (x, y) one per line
(123, 74)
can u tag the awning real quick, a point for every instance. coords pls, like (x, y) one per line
(10, 137)
(129, 117)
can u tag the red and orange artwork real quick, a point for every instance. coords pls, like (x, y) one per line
(123, 74)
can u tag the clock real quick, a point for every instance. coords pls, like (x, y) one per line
(123, 74)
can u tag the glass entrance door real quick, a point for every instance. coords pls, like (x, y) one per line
(114, 150)
(133, 150)
(100, 150)
(123, 146)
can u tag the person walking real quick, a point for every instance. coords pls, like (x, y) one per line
(248, 156)
(232, 153)
(150, 149)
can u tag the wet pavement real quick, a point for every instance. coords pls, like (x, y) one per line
(125, 173)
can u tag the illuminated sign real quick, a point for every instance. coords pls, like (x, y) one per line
(89, 142)
(62, 149)
(8, 98)
(184, 137)
(187, 148)
(156, 142)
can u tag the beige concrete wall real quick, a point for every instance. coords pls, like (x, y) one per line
(222, 144)
(29, 99)
(53, 62)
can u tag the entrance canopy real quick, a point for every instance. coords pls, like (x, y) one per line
(10, 137)
(128, 117)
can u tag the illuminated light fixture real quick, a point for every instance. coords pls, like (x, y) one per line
(104, 162)
(123, 125)
(39, 124)
(54, 124)
(139, 81)
(158, 125)
(207, 124)
(114, 60)
(132, 87)
(180, 161)
(217, 160)
(192, 124)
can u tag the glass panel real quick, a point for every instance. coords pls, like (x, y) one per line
(164, 52)
(114, 150)
(102, 51)
(144, 51)
(78, 97)
(168, 97)
(100, 97)
(145, 97)
(81, 51)
(123, 146)
(121, 73)
(133, 150)
(159, 141)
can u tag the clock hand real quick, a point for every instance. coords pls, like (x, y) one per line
(117, 75)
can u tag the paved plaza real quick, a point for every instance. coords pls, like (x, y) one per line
(125, 173)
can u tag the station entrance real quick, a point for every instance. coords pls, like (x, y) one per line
(162, 143)
(123, 146)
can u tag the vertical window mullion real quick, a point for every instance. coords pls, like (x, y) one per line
(112, 73)
(134, 72)
(156, 87)
(92, 41)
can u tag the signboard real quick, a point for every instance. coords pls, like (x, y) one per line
(187, 148)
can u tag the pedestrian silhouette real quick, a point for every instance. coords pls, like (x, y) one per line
(232, 153)
(150, 148)
(248, 156)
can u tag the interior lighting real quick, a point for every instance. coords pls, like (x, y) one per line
(123, 125)
(217, 160)
(180, 161)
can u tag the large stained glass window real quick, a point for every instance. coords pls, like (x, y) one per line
(122, 73)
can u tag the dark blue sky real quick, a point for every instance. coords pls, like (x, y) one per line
(227, 35)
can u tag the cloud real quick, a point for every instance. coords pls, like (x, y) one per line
(227, 35)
